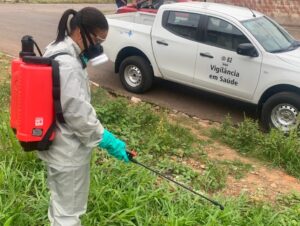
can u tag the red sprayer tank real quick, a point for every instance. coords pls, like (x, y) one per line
(35, 106)
(32, 105)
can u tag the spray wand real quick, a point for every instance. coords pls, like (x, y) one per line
(132, 154)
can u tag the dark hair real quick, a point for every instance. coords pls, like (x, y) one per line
(90, 18)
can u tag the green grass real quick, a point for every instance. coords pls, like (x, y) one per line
(281, 150)
(126, 194)
(146, 131)
(236, 168)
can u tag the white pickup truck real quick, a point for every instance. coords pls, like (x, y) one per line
(229, 50)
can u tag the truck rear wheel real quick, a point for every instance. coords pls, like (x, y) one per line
(136, 74)
(281, 111)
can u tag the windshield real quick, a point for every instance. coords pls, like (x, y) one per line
(270, 35)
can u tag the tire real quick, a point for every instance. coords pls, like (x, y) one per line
(281, 111)
(136, 74)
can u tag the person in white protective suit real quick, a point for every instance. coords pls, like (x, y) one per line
(68, 158)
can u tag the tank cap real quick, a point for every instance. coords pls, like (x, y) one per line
(27, 46)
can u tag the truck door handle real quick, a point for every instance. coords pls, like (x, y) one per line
(162, 43)
(206, 55)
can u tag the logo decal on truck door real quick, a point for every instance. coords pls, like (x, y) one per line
(223, 74)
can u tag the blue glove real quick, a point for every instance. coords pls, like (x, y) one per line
(114, 146)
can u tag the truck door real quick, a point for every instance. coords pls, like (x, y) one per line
(218, 65)
(174, 45)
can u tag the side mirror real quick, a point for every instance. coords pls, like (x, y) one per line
(247, 49)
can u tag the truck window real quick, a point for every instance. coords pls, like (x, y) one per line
(182, 24)
(269, 34)
(222, 34)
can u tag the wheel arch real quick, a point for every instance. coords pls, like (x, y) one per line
(273, 90)
(127, 52)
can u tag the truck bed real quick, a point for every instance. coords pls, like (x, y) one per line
(129, 29)
(136, 18)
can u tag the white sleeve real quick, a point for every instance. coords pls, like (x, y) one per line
(78, 113)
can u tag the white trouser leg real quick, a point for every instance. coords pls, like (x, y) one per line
(69, 188)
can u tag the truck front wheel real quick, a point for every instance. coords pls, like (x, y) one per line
(281, 111)
(136, 74)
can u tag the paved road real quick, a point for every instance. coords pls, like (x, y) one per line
(40, 21)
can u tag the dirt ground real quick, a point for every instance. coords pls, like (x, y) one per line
(262, 183)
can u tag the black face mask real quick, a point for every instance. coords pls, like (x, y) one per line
(93, 52)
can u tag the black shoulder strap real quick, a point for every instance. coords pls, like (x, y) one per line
(56, 87)
(45, 142)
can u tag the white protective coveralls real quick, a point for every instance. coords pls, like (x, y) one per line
(68, 158)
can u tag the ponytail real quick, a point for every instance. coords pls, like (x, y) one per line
(62, 29)
(89, 18)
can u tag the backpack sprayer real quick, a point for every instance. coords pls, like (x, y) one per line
(132, 154)
(35, 97)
